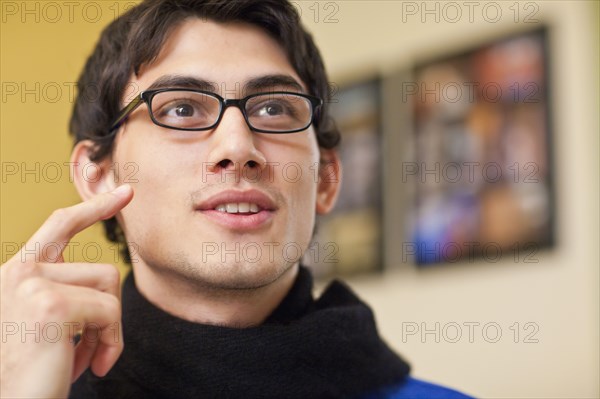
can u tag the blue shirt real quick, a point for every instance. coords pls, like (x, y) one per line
(412, 388)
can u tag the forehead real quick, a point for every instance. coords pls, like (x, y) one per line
(227, 54)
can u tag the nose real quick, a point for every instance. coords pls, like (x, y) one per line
(233, 146)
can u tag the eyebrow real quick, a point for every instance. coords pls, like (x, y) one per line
(253, 85)
(269, 81)
(183, 82)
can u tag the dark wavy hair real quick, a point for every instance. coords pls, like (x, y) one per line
(136, 38)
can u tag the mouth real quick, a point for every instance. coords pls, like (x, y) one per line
(239, 210)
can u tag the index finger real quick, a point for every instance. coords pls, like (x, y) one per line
(64, 223)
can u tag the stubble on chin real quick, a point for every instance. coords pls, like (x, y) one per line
(226, 277)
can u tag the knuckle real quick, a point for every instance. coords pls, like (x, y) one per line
(16, 271)
(113, 306)
(111, 275)
(58, 215)
(59, 219)
(50, 305)
(32, 286)
(109, 278)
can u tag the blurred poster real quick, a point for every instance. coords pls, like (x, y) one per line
(348, 240)
(483, 172)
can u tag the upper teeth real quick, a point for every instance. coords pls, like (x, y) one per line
(241, 207)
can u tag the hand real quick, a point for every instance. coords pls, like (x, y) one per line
(45, 303)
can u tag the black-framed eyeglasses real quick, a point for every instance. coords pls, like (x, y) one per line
(190, 109)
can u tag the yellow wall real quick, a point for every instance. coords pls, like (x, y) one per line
(44, 46)
(42, 53)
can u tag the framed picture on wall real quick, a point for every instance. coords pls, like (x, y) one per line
(349, 239)
(483, 153)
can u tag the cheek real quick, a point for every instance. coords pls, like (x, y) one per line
(141, 167)
(147, 160)
(157, 173)
(299, 174)
(302, 201)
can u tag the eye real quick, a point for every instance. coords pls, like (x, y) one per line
(272, 109)
(180, 110)
(184, 110)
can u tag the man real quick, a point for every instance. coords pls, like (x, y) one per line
(215, 306)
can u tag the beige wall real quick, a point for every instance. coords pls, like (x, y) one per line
(559, 294)
(43, 52)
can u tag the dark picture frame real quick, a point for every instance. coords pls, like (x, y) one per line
(483, 170)
(349, 240)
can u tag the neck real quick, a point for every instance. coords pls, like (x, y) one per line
(237, 308)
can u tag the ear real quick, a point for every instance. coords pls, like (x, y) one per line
(91, 178)
(330, 180)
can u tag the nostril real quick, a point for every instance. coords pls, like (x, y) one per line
(252, 164)
(224, 163)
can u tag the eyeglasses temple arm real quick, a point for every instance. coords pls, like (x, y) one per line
(124, 113)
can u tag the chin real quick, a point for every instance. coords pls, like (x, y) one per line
(230, 275)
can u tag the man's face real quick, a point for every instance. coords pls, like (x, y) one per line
(185, 179)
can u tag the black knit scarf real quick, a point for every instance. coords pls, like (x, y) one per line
(328, 348)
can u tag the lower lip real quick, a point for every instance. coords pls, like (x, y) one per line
(237, 221)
